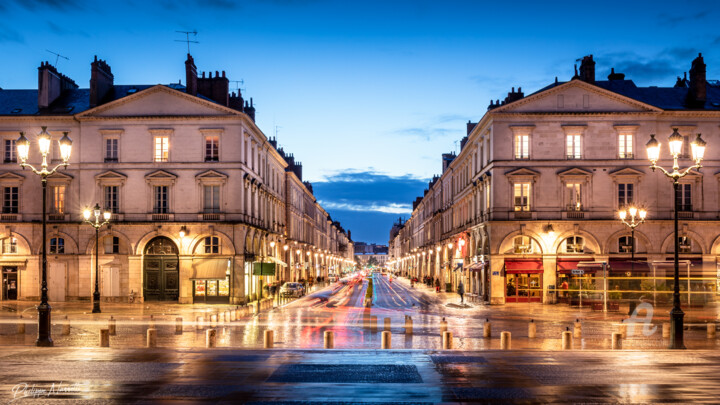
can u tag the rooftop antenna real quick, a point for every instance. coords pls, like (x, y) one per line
(277, 127)
(237, 84)
(57, 56)
(456, 146)
(187, 38)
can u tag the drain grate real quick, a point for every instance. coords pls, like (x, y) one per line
(346, 373)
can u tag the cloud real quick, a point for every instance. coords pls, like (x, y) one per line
(47, 4)
(435, 127)
(391, 208)
(10, 35)
(676, 19)
(665, 65)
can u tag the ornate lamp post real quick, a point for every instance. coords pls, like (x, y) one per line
(101, 218)
(23, 149)
(698, 151)
(637, 217)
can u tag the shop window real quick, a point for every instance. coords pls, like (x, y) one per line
(57, 246)
(574, 244)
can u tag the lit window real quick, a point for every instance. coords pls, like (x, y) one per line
(162, 145)
(574, 244)
(212, 244)
(112, 245)
(57, 246)
(625, 146)
(161, 200)
(9, 246)
(57, 199)
(211, 197)
(573, 197)
(522, 147)
(10, 200)
(521, 194)
(625, 194)
(10, 151)
(212, 148)
(522, 244)
(573, 147)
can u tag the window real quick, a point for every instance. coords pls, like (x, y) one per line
(211, 198)
(522, 146)
(683, 198)
(625, 146)
(685, 244)
(9, 246)
(57, 199)
(110, 203)
(573, 197)
(212, 244)
(10, 200)
(10, 151)
(522, 245)
(112, 245)
(57, 246)
(521, 194)
(625, 244)
(162, 144)
(160, 205)
(625, 194)
(573, 146)
(111, 149)
(574, 244)
(212, 148)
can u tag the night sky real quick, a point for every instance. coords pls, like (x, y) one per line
(366, 94)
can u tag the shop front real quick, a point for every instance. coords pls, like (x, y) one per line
(523, 280)
(9, 283)
(211, 281)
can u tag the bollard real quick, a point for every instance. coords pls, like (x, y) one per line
(373, 323)
(178, 325)
(210, 338)
(386, 324)
(487, 329)
(233, 315)
(112, 326)
(269, 340)
(443, 325)
(616, 341)
(666, 330)
(329, 339)
(386, 337)
(21, 326)
(66, 326)
(447, 340)
(711, 330)
(104, 338)
(152, 337)
(567, 340)
(408, 325)
(199, 323)
(213, 319)
(505, 340)
(152, 322)
(236, 315)
(623, 329)
(532, 329)
(577, 330)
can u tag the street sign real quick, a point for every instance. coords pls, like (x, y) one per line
(578, 272)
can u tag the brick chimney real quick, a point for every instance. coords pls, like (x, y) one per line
(51, 84)
(697, 92)
(250, 110)
(514, 95)
(101, 81)
(215, 88)
(470, 126)
(587, 69)
(191, 78)
(236, 101)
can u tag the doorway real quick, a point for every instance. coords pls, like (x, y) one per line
(524, 287)
(161, 278)
(9, 283)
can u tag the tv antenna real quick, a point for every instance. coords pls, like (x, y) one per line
(187, 38)
(57, 56)
(237, 84)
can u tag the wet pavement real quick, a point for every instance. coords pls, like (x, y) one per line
(279, 376)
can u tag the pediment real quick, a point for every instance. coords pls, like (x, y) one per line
(626, 171)
(211, 174)
(574, 171)
(110, 175)
(160, 175)
(158, 101)
(523, 171)
(10, 176)
(60, 176)
(575, 96)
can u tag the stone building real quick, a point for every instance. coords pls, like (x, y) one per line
(532, 197)
(198, 194)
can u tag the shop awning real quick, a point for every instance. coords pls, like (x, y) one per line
(523, 266)
(210, 269)
(275, 260)
(623, 266)
(588, 267)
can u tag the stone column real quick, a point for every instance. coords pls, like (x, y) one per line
(237, 293)
(186, 285)
(549, 277)
(135, 280)
(497, 281)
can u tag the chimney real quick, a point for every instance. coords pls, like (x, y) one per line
(587, 69)
(308, 185)
(250, 110)
(349, 238)
(191, 78)
(463, 141)
(682, 82)
(471, 125)
(215, 88)
(697, 92)
(514, 95)
(615, 76)
(101, 81)
(447, 158)
(236, 101)
(51, 84)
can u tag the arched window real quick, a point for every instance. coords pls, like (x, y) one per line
(9, 246)
(161, 246)
(212, 244)
(625, 244)
(57, 246)
(575, 244)
(522, 244)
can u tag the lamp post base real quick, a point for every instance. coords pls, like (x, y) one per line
(676, 329)
(96, 303)
(44, 316)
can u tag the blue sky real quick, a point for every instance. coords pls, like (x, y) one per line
(366, 94)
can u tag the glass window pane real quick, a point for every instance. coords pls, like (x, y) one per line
(212, 288)
(199, 287)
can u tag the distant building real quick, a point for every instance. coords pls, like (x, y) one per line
(364, 252)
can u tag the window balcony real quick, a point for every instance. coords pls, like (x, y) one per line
(58, 217)
(10, 217)
(161, 217)
(212, 159)
(211, 216)
(111, 160)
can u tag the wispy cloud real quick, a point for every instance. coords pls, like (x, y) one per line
(10, 35)
(392, 208)
(666, 64)
(429, 128)
(678, 18)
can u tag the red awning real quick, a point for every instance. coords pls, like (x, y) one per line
(523, 266)
(567, 266)
(623, 266)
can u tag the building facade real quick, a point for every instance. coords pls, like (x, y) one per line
(199, 196)
(527, 211)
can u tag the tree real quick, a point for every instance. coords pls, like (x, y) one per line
(372, 261)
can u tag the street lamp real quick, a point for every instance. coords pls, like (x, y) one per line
(23, 148)
(101, 218)
(637, 217)
(698, 151)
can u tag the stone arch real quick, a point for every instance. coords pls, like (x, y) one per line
(715, 246)
(140, 247)
(71, 245)
(693, 235)
(23, 244)
(90, 245)
(226, 242)
(612, 239)
(588, 238)
(507, 241)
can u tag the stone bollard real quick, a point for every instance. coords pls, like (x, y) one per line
(66, 326)
(505, 340)
(408, 325)
(532, 329)
(447, 340)
(329, 339)
(386, 338)
(236, 314)
(152, 322)
(21, 326)
(233, 315)
(373, 323)
(199, 323)
(386, 324)
(269, 339)
(213, 319)
(623, 329)
(666, 330)
(616, 341)
(443, 325)
(487, 329)
(104, 338)
(711, 330)
(152, 337)
(577, 331)
(178, 325)
(112, 326)
(567, 340)
(210, 338)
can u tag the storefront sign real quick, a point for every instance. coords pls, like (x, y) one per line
(263, 269)
(495, 273)
(578, 272)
